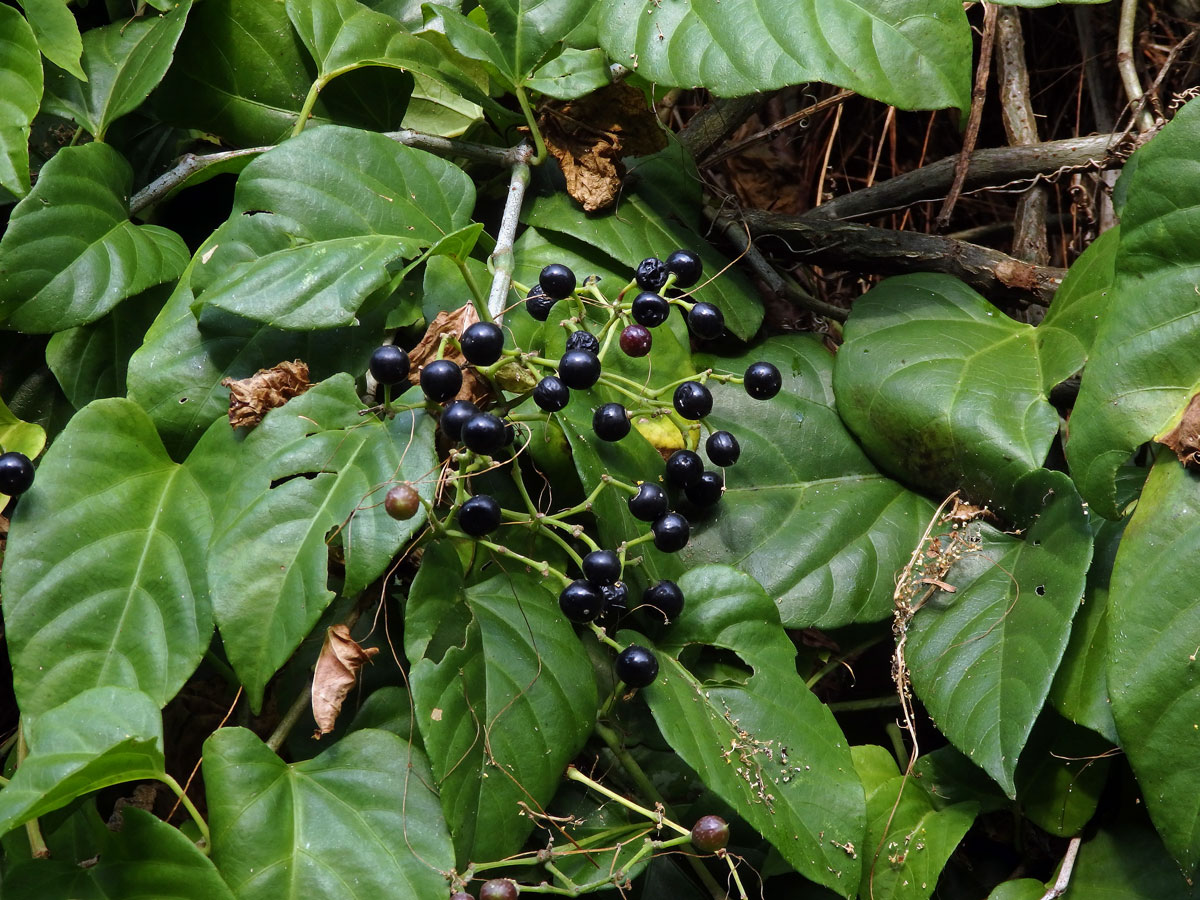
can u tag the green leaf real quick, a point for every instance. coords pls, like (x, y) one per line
(767, 747)
(636, 230)
(572, 74)
(982, 658)
(1145, 364)
(804, 511)
(146, 859)
(1059, 785)
(23, 437)
(313, 469)
(1065, 337)
(56, 32)
(1153, 674)
(111, 533)
(71, 254)
(123, 62)
(943, 390)
(609, 833)
(915, 54)
(913, 837)
(527, 29)
(504, 698)
(1127, 862)
(361, 821)
(101, 736)
(21, 93)
(1020, 889)
(475, 42)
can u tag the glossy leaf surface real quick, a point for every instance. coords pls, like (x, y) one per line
(20, 96)
(1079, 309)
(1127, 863)
(57, 34)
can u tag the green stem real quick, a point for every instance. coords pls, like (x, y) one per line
(187, 804)
(573, 774)
(37, 844)
(540, 145)
(885, 702)
(477, 298)
(289, 720)
(839, 660)
(310, 101)
(543, 568)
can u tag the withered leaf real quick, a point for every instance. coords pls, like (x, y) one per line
(453, 323)
(336, 673)
(1184, 438)
(589, 136)
(252, 398)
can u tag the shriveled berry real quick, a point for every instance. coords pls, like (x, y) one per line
(537, 304)
(389, 364)
(557, 281)
(602, 567)
(441, 380)
(692, 400)
(455, 416)
(610, 422)
(671, 532)
(687, 267)
(481, 343)
(722, 448)
(16, 473)
(705, 490)
(684, 467)
(583, 340)
(649, 502)
(402, 502)
(551, 394)
(762, 381)
(650, 309)
(710, 834)
(651, 274)
(479, 515)
(616, 596)
(636, 666)
(580, 601)
(579, 369)
(706, 321)
(483, 433)
(636, 340)
(499, 889)
(666, 597)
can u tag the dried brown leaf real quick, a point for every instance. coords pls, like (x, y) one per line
(252, 398)
(336, 673)
(453, 323)
(1184, 438)
(590, 135)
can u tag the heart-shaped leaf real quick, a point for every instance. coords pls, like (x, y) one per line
(70, 253)
(123, 63)
(767, 747)
(111, 533)
(101, 736)
(313, 469)
(804, 511)
(915, 54)
(363, 822)
(21, 90)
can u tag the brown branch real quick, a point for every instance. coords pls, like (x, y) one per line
(978, 94)
(717, 121)
(881, 251)
(776, 129)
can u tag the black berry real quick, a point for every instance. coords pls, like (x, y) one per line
(389, 364)
(649, 502)
(706, 321)
(671, 532)
(651, 274)
(478, 515)
(722, 448)
(602, 567)
(579, 369)
(583, 340)
(499, 889)
(610, 422)
(537, 304)
(684, 467)
(692, 400)
(636, 340)
(483, 433)
(615, 596)
(16, 473)
(481, 343)
(441, 380)
(551, 394)
(580, 601)
(687, 267)
(710, 834)
(402, 502)
(762, 381)
(705, 490)
(636, 666)
(455, 416)
(666, 597)
(557, 281)
(650, 309)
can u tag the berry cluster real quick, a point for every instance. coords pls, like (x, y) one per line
(482, 433)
